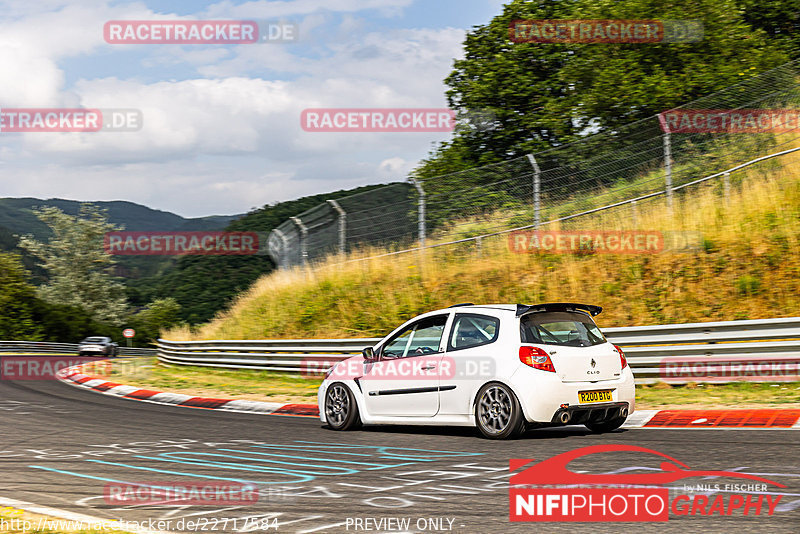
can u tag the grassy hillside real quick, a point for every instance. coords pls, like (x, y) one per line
(747, 267)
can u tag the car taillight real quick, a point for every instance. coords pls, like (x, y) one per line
(622, 359)
(536, 358)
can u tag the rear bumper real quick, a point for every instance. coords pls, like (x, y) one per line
(94, 350)
(591, 413)
(543, 395)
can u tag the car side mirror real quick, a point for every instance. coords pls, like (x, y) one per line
(369, 354)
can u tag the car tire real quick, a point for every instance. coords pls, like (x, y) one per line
(498, 414)
(606, 426)
(341, 409)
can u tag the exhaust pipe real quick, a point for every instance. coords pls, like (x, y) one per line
(564, 417)
(623, 412)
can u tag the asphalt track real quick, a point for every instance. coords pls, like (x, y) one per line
(61, 445)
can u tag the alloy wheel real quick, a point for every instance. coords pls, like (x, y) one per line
(337, 405)
(495, 409)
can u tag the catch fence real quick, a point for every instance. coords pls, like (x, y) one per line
(653, 157)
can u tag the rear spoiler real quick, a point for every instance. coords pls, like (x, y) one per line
(522, 309)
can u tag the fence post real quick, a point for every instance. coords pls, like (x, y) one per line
(342, 225)
(634, 212)
(421, 212)
(537, 182)
(726, 183)
(303, 239)
(284, 257)
(668, 167)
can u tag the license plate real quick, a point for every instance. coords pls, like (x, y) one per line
(595, 396)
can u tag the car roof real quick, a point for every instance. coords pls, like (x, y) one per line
(520, 309)
(506, 307)
(478, 307)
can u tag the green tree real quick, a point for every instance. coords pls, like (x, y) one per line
(779, 18)
(78, 268)
(26, 317)
(70, 324)
(617, 84)
(544, 95)
(513, 82)
(158, 315)
(18, 302)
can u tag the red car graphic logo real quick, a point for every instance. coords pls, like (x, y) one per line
(553, 471)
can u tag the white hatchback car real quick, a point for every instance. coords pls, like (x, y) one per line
(501, 368)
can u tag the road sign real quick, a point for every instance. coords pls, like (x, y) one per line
(129, 332)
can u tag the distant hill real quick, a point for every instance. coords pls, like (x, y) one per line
(16, 215)
(17, 218)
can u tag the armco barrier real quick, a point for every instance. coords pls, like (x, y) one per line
(285, 355)
(35, 347)
(730, 351)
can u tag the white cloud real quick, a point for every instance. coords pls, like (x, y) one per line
(272, 8)
(228, 137)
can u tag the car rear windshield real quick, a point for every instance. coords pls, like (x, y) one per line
(571, 329)
(94, 340)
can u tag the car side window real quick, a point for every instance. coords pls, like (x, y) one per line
(422, 337)
(472, 330)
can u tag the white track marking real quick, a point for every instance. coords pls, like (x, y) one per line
(72, 516)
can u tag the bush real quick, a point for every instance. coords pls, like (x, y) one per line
(748, 285)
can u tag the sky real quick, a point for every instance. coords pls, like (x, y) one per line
(221, 130)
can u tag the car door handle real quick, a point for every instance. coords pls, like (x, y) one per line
(429, 367)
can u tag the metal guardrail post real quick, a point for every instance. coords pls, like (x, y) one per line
(421, 211)
(726, 186)
(342, 226)
(537, 181)
(668, 168)
(303, 239)
(35, 347)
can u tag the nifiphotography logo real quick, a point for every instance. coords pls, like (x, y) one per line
(548, 491)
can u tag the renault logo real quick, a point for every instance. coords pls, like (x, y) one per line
(594, 363)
